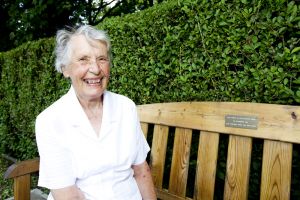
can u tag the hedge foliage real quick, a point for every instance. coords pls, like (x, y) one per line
(181, 50)
(209, 50)
(28, 84)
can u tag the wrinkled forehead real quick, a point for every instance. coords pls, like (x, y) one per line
(80, 40)
(79, 44)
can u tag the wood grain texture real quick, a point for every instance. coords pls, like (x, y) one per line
(276, 170)
(158, 153)
(22, 187)
(180, 161)
(22, 168)
(238, 168)
(206, 165)
(274, 120)
(166, 195)
(144, 127)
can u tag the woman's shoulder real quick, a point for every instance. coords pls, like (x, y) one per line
(54, 110)
(118, 98)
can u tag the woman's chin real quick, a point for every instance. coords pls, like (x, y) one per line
(95, 94)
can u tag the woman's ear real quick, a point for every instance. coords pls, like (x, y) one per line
(65, 71)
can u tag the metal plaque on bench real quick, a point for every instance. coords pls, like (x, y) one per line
(238, 121)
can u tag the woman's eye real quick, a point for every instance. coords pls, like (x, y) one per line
(102, 59)
(84, 61)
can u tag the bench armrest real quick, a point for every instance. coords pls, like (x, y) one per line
(21, 173)
(22, 168)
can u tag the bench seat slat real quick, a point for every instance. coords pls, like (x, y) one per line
(166, 195)
(238, 168)
(206, 165)
(158, 153)
(180, 161)
(276, 170)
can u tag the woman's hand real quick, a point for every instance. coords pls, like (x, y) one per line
(68, 193)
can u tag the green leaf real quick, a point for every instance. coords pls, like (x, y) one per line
(296, 49)
(286, 50)
(297, 81)
(223, 23)
(254, 39)
(244, 1)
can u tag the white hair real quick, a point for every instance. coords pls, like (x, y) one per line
(63, 38)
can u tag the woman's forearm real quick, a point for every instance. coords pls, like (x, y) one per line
(142, 175)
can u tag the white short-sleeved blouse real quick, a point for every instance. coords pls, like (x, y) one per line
(71, 153)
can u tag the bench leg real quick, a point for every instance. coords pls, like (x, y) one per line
(22, 187)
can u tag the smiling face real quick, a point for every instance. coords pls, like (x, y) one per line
(88, 69)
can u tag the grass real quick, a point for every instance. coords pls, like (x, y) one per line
(6, 186)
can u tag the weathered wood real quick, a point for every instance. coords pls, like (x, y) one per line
(180, 161)
(144, 127)
(209, 116)
(21, 173)
(22, 168)
(158, 153)
(166, 195)
(22, 187)
(238, 168)
(206, 165)
(276, 170)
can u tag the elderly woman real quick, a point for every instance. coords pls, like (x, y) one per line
(90, 142)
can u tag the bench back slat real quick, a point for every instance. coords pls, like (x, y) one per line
(273, 120)
(206, 165)
(276, 170)
(274, 123)
(158, 153)
(145, 127)
(238, 168)
(180, 161)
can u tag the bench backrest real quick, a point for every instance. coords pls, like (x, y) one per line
(173, 128)
(278, 126)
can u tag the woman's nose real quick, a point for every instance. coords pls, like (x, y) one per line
(95, 68)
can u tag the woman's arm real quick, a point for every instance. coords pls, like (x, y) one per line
(68, 193)
(144, 181)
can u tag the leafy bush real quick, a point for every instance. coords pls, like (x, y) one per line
(5, 185)
(208, 50)
(182, 50)
(28, 84)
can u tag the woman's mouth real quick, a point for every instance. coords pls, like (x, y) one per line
(93, 81)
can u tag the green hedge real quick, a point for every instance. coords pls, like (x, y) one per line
(238, 50)
(28, 84)
(208, 50)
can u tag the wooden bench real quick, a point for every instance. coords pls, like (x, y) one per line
(277, 126)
